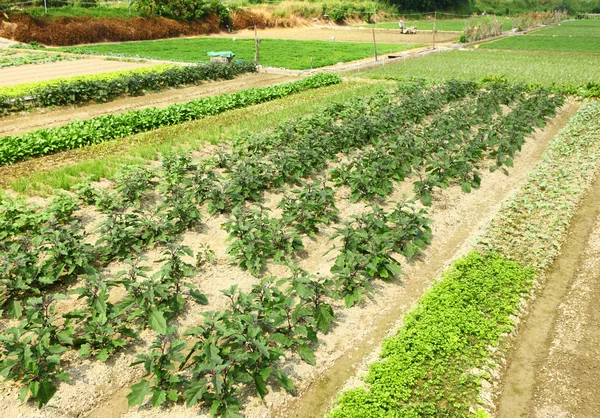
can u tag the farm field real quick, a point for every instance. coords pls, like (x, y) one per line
(44, 118)
(14, 58)
(296, 55)
(579, 45)
(66, 169)
(454, 25)
(388, 243)
(11, 76)
(351, 196)
(517, 66)
(343, 34)
(571, 36)
(577, 28)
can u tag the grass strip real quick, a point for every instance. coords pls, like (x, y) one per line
(434, 364)
(25, 89)
(67, 169)
(109, 127)
(86, 90)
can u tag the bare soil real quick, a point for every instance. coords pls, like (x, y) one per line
(345, 34)
(553, 368)
(46, 118)
(10, 76)
(99, 389)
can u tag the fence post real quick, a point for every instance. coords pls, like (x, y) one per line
(374, 45)
(255, 46)
(434, 19)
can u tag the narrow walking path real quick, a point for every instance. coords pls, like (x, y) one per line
(553, 367)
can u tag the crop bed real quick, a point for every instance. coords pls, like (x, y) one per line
(95, 89)
(291, 54)
(105, 128)
(12, 58)
(435, 364)
(76, 280)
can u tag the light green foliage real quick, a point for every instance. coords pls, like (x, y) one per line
(579, 36)
(295, 55)
(532, 227)
(546, 43)
(26, 88)
(424, 370)
(12, 58)
(527, 67)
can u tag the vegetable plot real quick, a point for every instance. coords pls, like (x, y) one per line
(245, 343)
(105, 128)
(83, 90)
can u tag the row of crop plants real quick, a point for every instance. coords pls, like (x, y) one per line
(12, 58)
(45, 249)
(93, 89)
(435, 363)
(105, 128)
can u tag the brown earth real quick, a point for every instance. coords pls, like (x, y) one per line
(553, 368)
(345, 34)
(45, 118)
(98, 389)
(64, 31)
(11, 76)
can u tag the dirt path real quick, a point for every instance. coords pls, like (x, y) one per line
(29, 73)
(554, 369)
(44, 118)
(345, 34)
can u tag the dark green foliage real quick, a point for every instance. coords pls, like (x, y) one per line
(368, 246)
(309, 207)
(256, 238)
(85, 91)
(106, 128)
(30, 352)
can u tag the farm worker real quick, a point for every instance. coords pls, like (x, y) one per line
(401, 24)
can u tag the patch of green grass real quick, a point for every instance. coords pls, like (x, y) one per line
(296, 55)
(454, 25)
(546, 43)
(103, 160)
(117, 11)
(575, 28)
(515, 66)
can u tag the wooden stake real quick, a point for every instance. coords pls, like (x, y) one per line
(374, 45)
(255, 46)
(434, 19)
